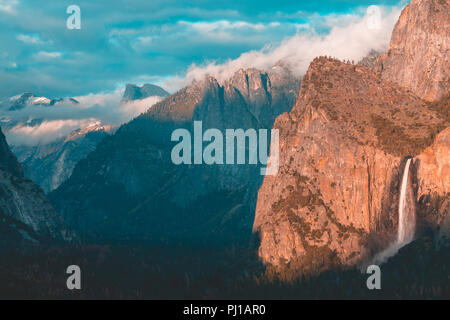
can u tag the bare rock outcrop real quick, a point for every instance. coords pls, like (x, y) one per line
(433, 183)
(342, 153)
(418, 57)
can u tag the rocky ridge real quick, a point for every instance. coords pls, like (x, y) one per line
(25, 212)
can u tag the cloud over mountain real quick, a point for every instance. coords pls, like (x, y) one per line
(350, 37)
(159, 40)
(42, 124)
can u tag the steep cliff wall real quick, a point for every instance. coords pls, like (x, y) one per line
(419, 56)
(342, 151)
(433, 184)
(344, 145)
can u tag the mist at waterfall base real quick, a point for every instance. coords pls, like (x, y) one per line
(406, 220)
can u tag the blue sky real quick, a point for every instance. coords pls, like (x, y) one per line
(144, 41)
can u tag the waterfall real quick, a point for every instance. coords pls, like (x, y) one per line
(406, 219)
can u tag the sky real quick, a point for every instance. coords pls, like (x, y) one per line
(168, 43)
(141, 41)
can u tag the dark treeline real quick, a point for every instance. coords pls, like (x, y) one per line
(419, 270)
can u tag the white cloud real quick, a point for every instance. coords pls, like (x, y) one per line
(8, 6)
(145, 39)
(226, 31)
(133, 108)
(114, 111)
(45, 55)
(30, 39)
(350, 37)
(208, 27)
(61, 119)
(47, 131)
(102, 99)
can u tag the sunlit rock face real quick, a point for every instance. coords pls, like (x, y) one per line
(433, 183)
(25, 212)
(418, 57)
(342, 151)
(344, 145)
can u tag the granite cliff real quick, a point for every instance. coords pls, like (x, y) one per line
(343, 150)
(418, 57)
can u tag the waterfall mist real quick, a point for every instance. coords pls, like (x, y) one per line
(406, 219)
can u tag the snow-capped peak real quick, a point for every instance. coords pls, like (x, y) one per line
(23, 100)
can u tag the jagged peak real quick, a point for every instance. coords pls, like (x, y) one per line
(254, 85)
(93, 127)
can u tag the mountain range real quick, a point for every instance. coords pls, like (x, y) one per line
(23, 100)
(51, 163)
(128, 188)
(343, 145)
(346, 134)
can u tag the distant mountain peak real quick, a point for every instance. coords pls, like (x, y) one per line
(134, 92)
(26, 99)
(81, 132)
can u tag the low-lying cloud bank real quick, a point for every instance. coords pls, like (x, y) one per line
(45, 132)
(43, 124)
